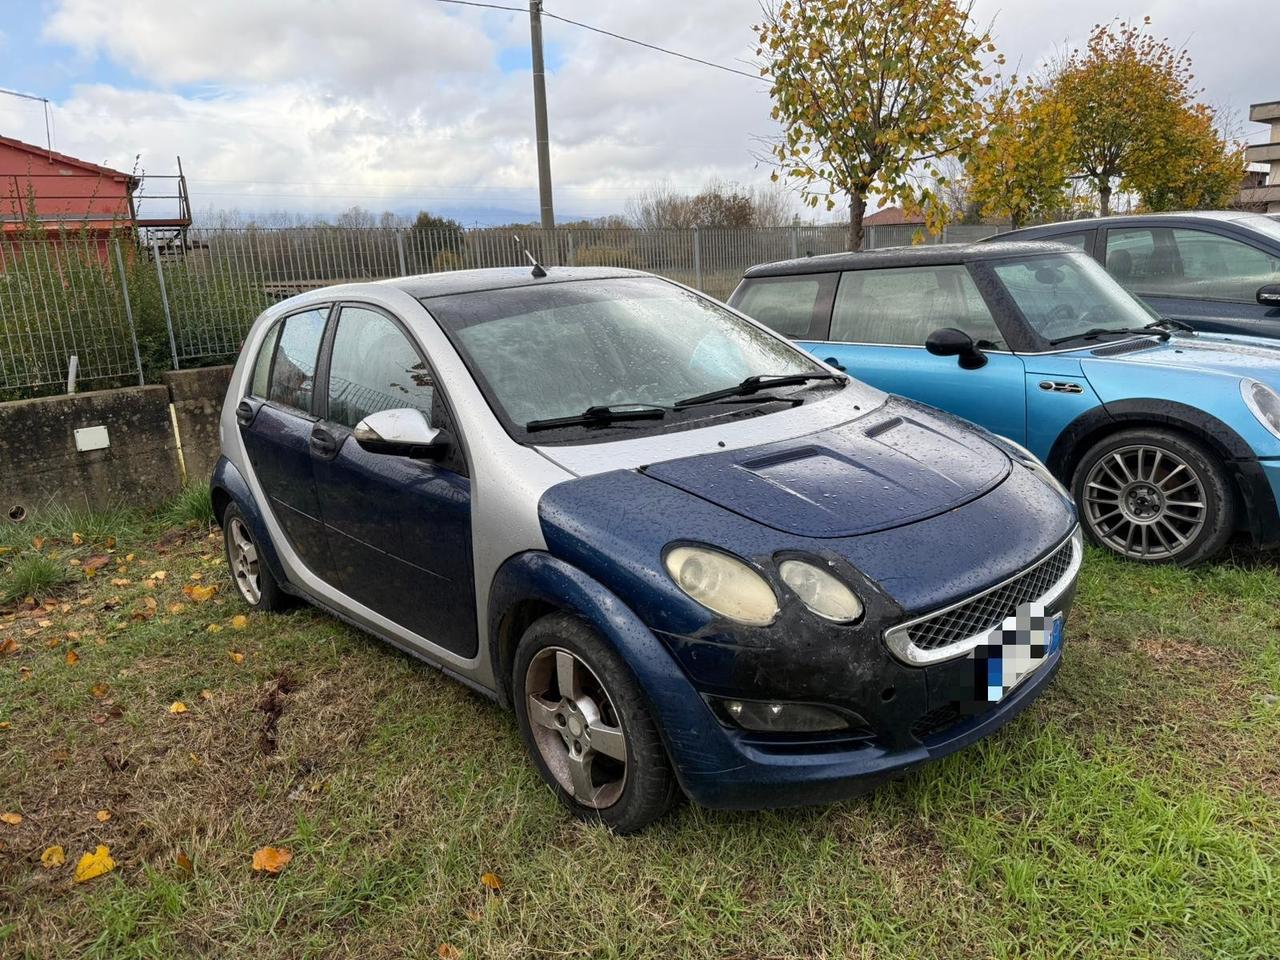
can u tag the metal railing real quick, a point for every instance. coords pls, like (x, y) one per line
(125, 309)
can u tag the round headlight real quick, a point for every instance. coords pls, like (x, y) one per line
(723, 584)
(1263, 403)
(820, 591)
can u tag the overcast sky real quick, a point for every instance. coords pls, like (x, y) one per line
(315, 105)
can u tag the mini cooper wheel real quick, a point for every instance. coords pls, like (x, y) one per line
(1154, 496)
(587, 728)
(254, 582)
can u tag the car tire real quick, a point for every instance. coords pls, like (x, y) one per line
(1154, 496)
(250, 574)
(599, 751)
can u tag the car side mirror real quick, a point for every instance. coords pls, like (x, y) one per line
(950, 342)
(1269, 295)
(403, 432)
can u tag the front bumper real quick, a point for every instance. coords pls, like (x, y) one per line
(912, 716)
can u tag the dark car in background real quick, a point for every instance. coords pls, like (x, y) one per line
(1217, 271)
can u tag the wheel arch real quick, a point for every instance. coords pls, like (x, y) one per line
(228, 486)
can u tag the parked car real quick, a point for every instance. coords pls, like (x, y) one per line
(690, 557)
(1169, 439)
(1217, 271)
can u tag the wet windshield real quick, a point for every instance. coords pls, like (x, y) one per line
(1068, 295)
(623, 351)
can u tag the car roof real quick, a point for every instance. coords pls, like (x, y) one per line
(427, 285)
(1176, 217)
(937, 254)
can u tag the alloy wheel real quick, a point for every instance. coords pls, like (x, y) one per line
(1144, 502)
(576, 727)
(243, 557)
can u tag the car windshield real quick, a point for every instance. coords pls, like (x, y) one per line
(635, 345)
(1068, 295)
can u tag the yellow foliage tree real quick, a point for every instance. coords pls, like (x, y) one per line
(1136, 124)
(1020, 169)
(871, 94)
(1195, 166)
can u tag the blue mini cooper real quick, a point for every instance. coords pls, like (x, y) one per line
(1169, 439)
(692, 558)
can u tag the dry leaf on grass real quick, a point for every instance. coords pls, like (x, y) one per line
(37, 542)
(103, 816)
(119, 581)
(239, 621)
(159, 574)
(271, 859)
(94, 564)
(197, 575)
(99, 690)
(236, 656)
(447, 951)
(491, 881)
(177, 707)
(9, 645)
(94, 864)
(177, 607)
(12, 819)
(184, 863)
(214, 628)
(77, 539)
(72, 658)
(200, 593)
(206, 694)
(53, 856)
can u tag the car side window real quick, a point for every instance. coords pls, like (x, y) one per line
(903, 305)
(1179, 262)
(1077, 240)
(262, 367)
(1132, 258)
(786, 305)
(293, 370)
(375, 367)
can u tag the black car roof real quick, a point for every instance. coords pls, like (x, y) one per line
(938, 254)
(1120, 220)
(499, 278)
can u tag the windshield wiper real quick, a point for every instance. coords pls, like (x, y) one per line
(747, 387)
(1096, 332)
(601, 414)
(1169, 323)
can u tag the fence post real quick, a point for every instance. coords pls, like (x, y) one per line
(404, 268)
(573, 253)
(164, 301)
(697, 258)
(795, 241)
(128, 312)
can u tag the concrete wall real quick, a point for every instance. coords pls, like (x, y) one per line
(197, 397)
(40, 464)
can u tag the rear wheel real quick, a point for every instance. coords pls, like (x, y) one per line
(253, 580)
(587, 727)
(1154, 496)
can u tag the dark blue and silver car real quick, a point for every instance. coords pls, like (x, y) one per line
(1216, 271)
(692, 558)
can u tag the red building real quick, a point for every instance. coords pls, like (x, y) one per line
(51, 191)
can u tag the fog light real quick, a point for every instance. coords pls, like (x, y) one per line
(768, 717)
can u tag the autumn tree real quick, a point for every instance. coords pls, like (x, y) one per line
(871, 95)
(1020, 169)
(1136, 123)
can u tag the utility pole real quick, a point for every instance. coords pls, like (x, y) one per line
(540, 115)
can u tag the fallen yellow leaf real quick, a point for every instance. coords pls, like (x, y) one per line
(94, 864)
(37, 542)
(128, 558)
(199, 593)
(159, 574)
(9, 645)
(491, 881)
(184, 863)
(177, 607)
(177, 707)
(197, 575)
(12, 819)
(236, 656)
(206, 694)
(103, 816)
(214, 628)
(120, 582)
(45, 623)
(77, 539)
(72, 658)
(52, 857)
(271, 859)
(99, 690)
(239, 621)
(447, 951)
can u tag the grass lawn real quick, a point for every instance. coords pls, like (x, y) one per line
(1133, 811)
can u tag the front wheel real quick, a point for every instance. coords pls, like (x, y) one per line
(1154, 496)
(253, 579)
(587, 727)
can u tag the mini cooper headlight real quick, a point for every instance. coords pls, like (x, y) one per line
(1036, 466)
(723, 584)
(820, 591)
(1263, 403)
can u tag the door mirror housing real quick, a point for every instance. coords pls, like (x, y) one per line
(950, 342)
(1269, 295)
(404, 432)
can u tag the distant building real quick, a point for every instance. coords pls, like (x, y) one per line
(1267, 193)
(43, 190)
(892, 217)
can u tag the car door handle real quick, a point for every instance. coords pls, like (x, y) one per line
(245, 412)
(323, 443)
(833, 362)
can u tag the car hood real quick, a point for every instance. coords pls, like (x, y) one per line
(903, 464)
(1209, 353)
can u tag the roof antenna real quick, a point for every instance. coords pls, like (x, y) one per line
(538, 270)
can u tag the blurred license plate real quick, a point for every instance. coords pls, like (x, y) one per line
(1015, 650)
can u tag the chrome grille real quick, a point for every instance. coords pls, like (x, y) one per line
(932, 637)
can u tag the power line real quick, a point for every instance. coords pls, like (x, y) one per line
(609, 33)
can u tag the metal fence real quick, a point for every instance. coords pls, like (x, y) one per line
(128, 311)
